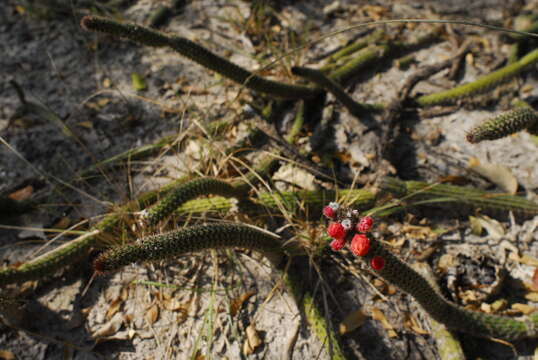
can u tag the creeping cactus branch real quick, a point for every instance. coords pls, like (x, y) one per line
(347, 227)
(194, 238)
(504, 125)
(481, 85)
(198, 54)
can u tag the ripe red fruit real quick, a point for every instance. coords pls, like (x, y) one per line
(377, 263)
(338, 244)
(330, 210)
(365, 224)
(360, 245)
(336, 230)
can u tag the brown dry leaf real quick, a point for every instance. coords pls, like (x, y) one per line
(107, 83)
(7, 355)
(20, 9)
(193, 90)
(237, 303)
(412, 324)
(527, 260)
(485, 307)
(375, 12)
(499, 305)
(469, 59)
(498, 174)
(63, 223)
(152, 314)
(173, 304)
(535, 279)
(378, 315)
(454, 180)
(352, 321)
(532, 296)
(124, 294)
(419, 232)
(524, 308)
(113, 308)
(446, 262)
(86, 124)
(109, 328)
(22, 194)
(252, 341)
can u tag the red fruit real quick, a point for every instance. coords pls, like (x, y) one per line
(365, 224)
(377, 263)
(336, 230)
(337, 244)
(360, 245)
(330, 210)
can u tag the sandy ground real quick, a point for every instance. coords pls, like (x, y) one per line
(85, 80)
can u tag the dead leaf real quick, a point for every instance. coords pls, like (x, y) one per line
(446, 262)
(352, 321)
(535, 279)
(499, 305)
(110, 328)
(173, 304)
(454, 180)
(20, 9)
(152, 314)
(253, 340)
(524, 308)
(63, 223)
(237, 303)
(378, 315)
(469, 59)
(485, 307)
(419, 232)
(7, 355)
(528, 260)
(86, 124)
(412, 324)
(532, 296)
(498, 174)
(113, 308)
(22, 194)
(375, 12)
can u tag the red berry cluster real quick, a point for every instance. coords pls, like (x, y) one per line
(346, 223)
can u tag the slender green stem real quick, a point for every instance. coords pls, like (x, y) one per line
(460, 195)
(481, 85)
